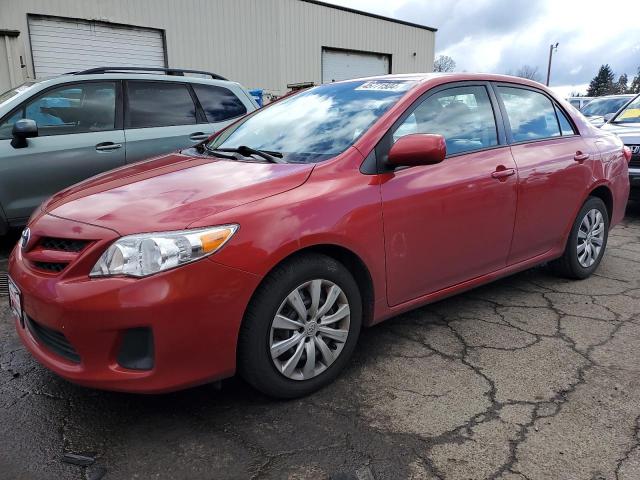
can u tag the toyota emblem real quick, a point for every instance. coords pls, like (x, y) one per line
(25, 237)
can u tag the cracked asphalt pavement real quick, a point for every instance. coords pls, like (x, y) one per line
(530, 377)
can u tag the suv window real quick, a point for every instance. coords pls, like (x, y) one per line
(463, 115)
(531, 114)
(219, 103)
(77, 108)
(159, 104)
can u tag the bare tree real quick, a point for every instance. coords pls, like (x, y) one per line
(444, 63)
(527, 71)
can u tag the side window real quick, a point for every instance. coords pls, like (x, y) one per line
(6, 126)
(78, 108)
(219, 103)
(463, 115)
(159, 104)
(565, 124)
(531, 114)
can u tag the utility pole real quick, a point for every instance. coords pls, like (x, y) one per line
(552, 47)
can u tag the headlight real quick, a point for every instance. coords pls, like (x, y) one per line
(149, 253)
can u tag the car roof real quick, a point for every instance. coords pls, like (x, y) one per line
(422, 78)
(620, 95)
(75, 77)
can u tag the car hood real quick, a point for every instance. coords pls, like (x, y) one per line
(629, 133)
(171, 192)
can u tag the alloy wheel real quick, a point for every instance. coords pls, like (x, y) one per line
(309, 329)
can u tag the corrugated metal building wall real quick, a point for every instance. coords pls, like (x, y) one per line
(260, 43)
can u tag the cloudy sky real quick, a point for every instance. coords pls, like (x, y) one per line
(502, 35)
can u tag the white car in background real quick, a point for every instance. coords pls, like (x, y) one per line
(626, 123)
(601, 109)
(579, 102)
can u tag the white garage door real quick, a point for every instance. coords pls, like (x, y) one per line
(65, 45)
(342, 65)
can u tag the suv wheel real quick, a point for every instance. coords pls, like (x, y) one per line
(301, 327)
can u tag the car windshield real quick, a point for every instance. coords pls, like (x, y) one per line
(630, 114)
(6, 96)
(316, 124)
(602, 106)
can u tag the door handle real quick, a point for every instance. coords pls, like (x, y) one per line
(199, 136)
(580, 157)
(503, 173)
(108, 146)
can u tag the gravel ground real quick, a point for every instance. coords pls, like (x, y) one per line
(530, 377)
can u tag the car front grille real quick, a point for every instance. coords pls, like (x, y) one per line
(63, 244)
(54, 267)
(52, 339)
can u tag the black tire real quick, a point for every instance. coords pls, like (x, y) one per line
(254, 359)
(568, 265)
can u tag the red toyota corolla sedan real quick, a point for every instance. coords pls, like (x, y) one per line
(267, 248)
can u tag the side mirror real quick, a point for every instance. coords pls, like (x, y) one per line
(22, 130)
(608, 117)
(417, 149)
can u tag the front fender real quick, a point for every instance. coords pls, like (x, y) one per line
(334, 207)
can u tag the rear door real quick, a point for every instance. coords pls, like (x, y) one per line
(554, 166)
(79, 135)
(161, 117)
(448, 223)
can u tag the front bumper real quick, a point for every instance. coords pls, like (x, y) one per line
(194, 313)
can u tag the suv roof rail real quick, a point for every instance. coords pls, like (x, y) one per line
(168, 71)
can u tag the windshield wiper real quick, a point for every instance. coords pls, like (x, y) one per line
(269, 156)
(204, 148)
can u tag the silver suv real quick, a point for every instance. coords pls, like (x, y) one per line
(59, 131)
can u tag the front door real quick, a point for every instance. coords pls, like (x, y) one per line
(78, 137)
(451, 222)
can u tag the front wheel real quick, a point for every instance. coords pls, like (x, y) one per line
(300, 328)
(587, 241)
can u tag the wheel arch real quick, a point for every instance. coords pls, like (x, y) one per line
(352, 261)
(604, 193)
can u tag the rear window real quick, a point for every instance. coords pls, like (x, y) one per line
(531, 114)
(159, 104)
(219, 103)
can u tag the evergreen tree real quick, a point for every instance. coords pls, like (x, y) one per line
(622, 85)
(635, 85)
(602, 83)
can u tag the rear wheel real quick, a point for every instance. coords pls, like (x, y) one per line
(300, 328)
(587, 241)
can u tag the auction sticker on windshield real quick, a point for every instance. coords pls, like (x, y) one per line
(386, 86)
